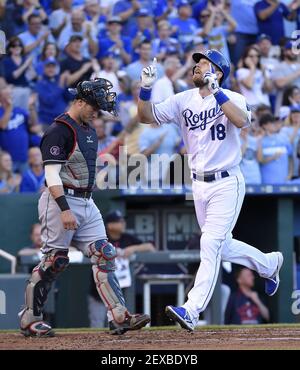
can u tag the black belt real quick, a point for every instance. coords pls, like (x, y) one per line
(78, 193)
(209, 178)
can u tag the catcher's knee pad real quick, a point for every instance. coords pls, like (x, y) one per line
(40, 283)
(102, 255)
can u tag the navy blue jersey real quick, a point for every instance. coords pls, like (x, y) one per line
(242, 310)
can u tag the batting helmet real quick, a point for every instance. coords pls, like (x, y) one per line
(96, 93)
(216, 58)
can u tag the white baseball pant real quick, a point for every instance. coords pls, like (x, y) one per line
(218, 205)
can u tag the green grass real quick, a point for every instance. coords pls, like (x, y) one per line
(155, 328)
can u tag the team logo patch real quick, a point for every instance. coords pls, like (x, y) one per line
(55, 150)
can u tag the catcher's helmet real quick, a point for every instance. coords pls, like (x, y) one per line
(215, 57)
(96, 93)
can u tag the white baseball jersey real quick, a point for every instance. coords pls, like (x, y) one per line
(211, 140)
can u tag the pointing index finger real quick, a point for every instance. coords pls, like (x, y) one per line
(212, 69)
(154, 62)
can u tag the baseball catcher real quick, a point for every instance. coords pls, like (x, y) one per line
(69, 216)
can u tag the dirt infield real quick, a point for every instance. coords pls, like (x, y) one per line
(264, 337)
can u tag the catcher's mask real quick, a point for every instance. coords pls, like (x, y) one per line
(97, 94)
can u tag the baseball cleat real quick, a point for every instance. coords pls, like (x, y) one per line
(272, 283)
(181, 315)
(132, 322)
(38, 329)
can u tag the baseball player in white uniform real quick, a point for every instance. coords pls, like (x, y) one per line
(210, 119)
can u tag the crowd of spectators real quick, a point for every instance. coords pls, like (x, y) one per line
(53, 44)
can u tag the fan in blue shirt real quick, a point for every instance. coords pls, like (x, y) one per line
(185, 24)
(33, 179)
(298, 19)
(52, 94)
(17, 129)
(115, 43)
(270, 16)
(127, 10)
(14, 138)
(276, 150)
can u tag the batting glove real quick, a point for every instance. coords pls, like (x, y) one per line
(149, 75)
(210, 78)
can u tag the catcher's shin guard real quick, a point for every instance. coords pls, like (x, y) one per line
(37, 290)
(103, 256)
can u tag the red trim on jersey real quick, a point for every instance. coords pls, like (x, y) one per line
(59, 120)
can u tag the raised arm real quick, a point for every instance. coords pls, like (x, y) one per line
(71, 78)
(282, 82)
(135, 5)
(267, 12)
(235, 114)
(28, 49)
(231, 21)
(232, 111)
(7, 106)
(148, 77)
(145, 112)
(209, 24)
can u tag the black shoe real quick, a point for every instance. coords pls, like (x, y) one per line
(38, 329)
(132, 322)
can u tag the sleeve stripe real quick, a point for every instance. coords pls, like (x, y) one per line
(155, 115)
